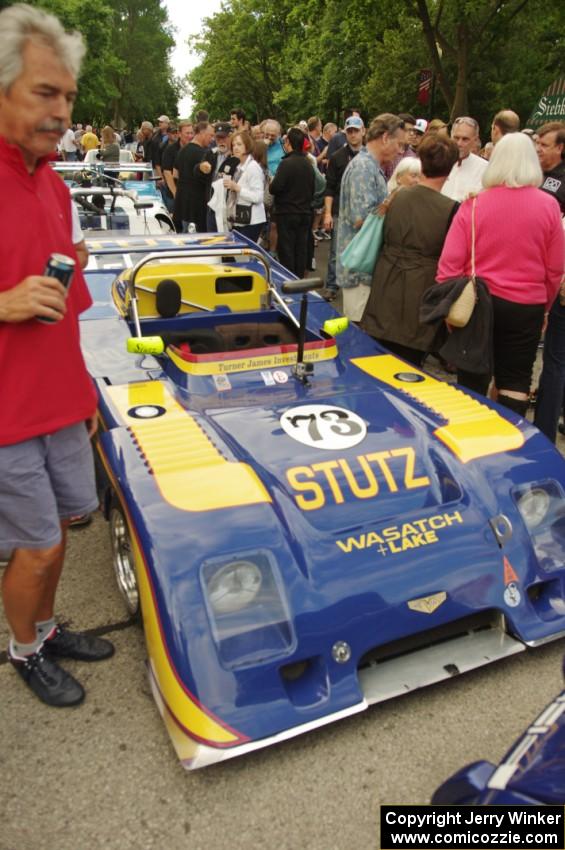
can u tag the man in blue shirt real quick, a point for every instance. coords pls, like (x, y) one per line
(363, 189)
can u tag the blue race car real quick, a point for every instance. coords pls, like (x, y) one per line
(306, 523)
(531, 773)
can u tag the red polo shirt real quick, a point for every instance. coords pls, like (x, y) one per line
(44, 385)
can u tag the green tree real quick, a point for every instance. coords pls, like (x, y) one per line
(464, 36)
(241, 64)
(127, 74)
(143, 81)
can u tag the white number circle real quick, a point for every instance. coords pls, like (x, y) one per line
(324, 426)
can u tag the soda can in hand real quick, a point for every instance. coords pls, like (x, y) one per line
(63, 268)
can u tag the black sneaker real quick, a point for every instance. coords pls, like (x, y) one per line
(53, 685)
(66, 644)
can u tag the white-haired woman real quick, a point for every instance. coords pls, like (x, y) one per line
(407, 173)
(519, 246)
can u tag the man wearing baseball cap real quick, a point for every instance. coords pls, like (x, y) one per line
(158, 142)
(339, 139)
(338, 162)
(415, 134)
(221, 162)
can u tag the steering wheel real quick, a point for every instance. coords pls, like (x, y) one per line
(112, 181)
(87, 205)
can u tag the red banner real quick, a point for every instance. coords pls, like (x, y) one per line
(425, 77)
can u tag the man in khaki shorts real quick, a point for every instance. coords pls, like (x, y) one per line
(48, 401)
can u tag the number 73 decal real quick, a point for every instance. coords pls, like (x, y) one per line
(324, 426)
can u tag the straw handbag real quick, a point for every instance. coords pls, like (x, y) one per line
(462, 309)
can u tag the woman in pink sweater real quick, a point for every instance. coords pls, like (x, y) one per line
(519, 248)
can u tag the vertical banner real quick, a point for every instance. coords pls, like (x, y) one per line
(424, 86)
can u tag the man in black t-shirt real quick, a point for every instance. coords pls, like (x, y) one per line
(185, 135)
(337, 164)
(550, 147)
(158, 141)
(171, 142)
(293, 190)
(190, 199)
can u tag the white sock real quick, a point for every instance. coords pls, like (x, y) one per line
(21, 650)
(44, 627)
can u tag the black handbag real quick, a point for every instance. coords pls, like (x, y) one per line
(242, 214)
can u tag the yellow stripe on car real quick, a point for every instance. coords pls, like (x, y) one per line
(191, 717)
(190, 472)
(182, 713)
(473, 430)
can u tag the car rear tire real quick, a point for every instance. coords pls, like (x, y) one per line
(123, 560)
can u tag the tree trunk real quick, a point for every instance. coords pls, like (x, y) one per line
(460, 104)
(430, 36)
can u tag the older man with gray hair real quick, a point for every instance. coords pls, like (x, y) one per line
(363, 189)
(144, 142)
(466, 177)
(46, 465)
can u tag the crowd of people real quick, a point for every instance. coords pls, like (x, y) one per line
(292, 189)
(451, 207)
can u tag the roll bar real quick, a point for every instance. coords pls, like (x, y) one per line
(203, 252)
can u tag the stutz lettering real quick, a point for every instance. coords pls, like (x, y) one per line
(369, 475)
(400, 538)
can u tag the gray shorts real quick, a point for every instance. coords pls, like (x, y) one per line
(42, 481)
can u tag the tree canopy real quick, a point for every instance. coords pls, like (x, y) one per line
(126, 76)
(290, 59)
(294, 58)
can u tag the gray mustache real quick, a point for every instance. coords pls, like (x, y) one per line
(53, 127)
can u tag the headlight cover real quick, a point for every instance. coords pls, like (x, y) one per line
(247, 608)
(234, 586)
(533, 506)
(542, 507)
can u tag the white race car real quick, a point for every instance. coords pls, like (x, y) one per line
(109, 198)
(115, 208)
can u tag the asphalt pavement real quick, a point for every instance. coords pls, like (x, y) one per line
(104, 776)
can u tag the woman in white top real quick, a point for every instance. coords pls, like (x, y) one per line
(246, 210)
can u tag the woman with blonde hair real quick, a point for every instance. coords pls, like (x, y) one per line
(519, 249)
(109, 149)
(437, 127)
